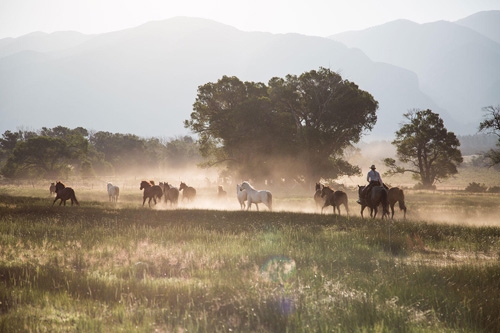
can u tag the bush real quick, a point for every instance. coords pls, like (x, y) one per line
(476, 188)
(494, 189)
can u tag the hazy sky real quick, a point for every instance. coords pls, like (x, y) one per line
(310, 17)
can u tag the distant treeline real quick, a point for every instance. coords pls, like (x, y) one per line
(60, 151)
(477, 144)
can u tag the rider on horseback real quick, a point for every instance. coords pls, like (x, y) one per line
(374, 179)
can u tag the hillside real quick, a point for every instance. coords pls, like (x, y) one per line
(144, 80)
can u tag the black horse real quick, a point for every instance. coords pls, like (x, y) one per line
(151, 192)
(64, 193)
(376, 196)
(396, 195)
(335, 199)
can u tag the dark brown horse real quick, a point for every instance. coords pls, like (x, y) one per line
(317, 196)
(64, 193)
(151, 192)
(334, 198)
(376, 196)
(396, 195)
(188, 192)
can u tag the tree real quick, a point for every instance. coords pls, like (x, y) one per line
(38, 157)
(426, 149)
(298, 125)
(492, 126)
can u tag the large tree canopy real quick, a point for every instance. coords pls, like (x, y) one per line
(426, 149)
(296, 127)
(492, 125)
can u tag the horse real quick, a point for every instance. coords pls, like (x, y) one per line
(221, 193)
(151, 192)
(64, 193)
(52, 189)
(241, 195)
(188, 192)
(394, 195)
(171, 194)
(317, 196)
(255, 196)
(377, 196)
(113, 192)
(334, 198)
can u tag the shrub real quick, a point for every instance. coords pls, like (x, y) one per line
(494, 189)
(476, 187)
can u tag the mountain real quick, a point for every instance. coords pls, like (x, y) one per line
(457, 66)
(486, 23)
(144, 80)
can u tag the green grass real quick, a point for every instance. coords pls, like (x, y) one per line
(101, 267)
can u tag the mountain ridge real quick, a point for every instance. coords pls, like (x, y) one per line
(144, 80)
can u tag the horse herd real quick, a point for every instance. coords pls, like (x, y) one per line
(324, 196)
(378, 196)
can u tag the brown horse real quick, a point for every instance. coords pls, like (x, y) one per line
(221, 193)
(64, 193)
(376, 196)
(396, 195)
(188, 192)
(151, 192)
(171, 194)
(335, 199)
(52, 189)
(320, 201)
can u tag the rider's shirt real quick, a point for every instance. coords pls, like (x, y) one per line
(373, 176)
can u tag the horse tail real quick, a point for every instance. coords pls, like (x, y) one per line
(346, 203)
(385, 202)
(73, 196)
(401, 201)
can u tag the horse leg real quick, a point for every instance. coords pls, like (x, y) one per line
(392, 211)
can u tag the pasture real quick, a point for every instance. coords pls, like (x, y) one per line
(207, 266)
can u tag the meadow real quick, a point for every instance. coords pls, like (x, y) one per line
(209, 267)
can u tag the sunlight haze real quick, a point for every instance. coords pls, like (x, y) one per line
(315, 17)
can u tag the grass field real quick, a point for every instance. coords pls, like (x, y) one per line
(208, 267)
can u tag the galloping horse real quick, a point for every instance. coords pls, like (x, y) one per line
(396, 195)
(255, 196)
(52, 189)
(376, 196)
(241, 195)
(334, 198)
(317, 196)
(171, 194)
(188, 192)
(64, 193)
(221, 193)
(151, 191)
(113, 192)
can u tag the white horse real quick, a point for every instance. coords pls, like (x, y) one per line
(113, 192)
(255, 196)
(241, 195)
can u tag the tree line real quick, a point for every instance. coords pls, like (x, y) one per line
(300, 128)
(56, 152)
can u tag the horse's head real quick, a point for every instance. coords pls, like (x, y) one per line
(182, 186)
(245, 185)
(59, 186)
(319, 186)
(326, 190)
(144, 184)
(360, 189)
